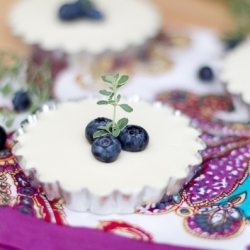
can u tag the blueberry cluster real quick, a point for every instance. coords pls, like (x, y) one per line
(2, 138)
(79, 9)
(107, 148)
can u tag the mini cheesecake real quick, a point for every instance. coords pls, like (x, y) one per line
(54, 144)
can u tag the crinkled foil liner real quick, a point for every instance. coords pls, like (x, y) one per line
(116, 202)
(240, 104)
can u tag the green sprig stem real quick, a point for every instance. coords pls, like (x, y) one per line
(112, 127)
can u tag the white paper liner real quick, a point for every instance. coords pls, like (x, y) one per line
(126, 23)
(114, 202)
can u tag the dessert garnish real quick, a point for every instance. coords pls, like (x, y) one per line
(133, 138)
(106, 148)
(2, 138)
(93, 126)
(107, 136)
(112, 127)
(79, 9)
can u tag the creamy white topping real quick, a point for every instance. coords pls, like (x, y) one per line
(236, 73)
(120, 28)
(57, 148)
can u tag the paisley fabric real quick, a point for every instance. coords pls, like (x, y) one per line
(217, 197)
(213, 205)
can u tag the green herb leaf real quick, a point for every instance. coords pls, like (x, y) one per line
(6, 90)
(116, 76)
(122, 123)
(103, 102)
(122, 80)
(105, 92)
(5, 112)
(111, 96)
(113, 99)
(9, 122)
(240, 11)
(109, 125)
(100, 133)
(108, 79)
(126, 107)
(106, 128)
(112, 102)
(15, 69)
(115, 126)
(116, 132)
(34, 90)
(102, 128)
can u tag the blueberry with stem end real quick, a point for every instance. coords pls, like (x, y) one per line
(3, 137)
(133, 138)
(88, 10)
(92, 127)
(106, 148)
(205, 74)
(21, 101)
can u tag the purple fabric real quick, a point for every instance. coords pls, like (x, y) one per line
(19, 232)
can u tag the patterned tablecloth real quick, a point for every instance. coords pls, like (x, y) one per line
(212, 210)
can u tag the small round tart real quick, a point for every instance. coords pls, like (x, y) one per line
(56, 147)
(126, 23)
(236, 73)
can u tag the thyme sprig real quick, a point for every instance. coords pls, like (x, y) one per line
(112, 127)
(239, 9)
(32, 78)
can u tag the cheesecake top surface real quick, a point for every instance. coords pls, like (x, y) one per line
(56, 147)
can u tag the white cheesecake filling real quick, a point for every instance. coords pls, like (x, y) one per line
(121, 27)
(57, 148)
(236, 73)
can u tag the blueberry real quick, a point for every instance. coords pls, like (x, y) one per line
(106, 148)
(92, 127)
(232, 43)
(133, 138)
(70, 11)
(3, 137)
(206, 74)
(21, 101)
(81, 8)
